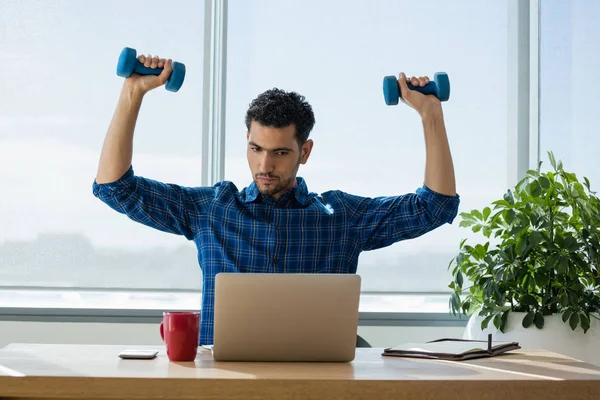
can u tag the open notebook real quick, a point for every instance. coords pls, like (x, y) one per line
(452, 349)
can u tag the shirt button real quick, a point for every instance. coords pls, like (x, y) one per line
(275, 260)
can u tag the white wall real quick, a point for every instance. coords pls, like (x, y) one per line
(147, 334)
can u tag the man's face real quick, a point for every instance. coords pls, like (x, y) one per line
(274, 157)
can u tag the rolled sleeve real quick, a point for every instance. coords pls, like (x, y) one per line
(442, 206)
(104, 191)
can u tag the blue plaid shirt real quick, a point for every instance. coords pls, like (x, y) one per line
(301, 232)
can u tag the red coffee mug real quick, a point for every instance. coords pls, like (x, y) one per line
(181, 331)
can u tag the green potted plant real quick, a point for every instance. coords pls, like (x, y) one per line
(537, 261)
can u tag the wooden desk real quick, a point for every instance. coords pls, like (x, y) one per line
(95, 372)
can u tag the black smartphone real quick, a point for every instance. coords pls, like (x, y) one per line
(138, 354)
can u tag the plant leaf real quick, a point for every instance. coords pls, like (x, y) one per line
(525, 282)
(536, 189)
(454, 303)
(552, 160)
(497, 320)
(502, 203)
(508, 196)
(552, 261)
(535, 239)
(541, 279)
(521, 245)
(563, 300)
(528, 319)
(486, 213)
(529, 300)
(574, 320)
(504, 319)
(566, 315)
(487, 231)
(465, 223)
(563, 265)
(538, 320)
(486, 321)
(466, 215)
(509, 216)
(585, 322)
(466, 306)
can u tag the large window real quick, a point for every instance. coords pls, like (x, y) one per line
(570, 85)
(336, 53)
(59, 90)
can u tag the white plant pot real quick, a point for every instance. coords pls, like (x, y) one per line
(556, 336)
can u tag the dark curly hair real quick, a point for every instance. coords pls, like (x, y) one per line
(277, 108)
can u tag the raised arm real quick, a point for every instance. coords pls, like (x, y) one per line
(381, 221)
(439, 169)
(166, 207)
(117, 150)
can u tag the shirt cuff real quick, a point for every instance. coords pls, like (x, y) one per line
(427, 191)
(443, 206)
(124, 182)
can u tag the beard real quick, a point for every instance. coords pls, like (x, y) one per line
(274, 187)
(277, 185)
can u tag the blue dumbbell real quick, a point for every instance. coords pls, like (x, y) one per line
(439, 87)
(128, 64)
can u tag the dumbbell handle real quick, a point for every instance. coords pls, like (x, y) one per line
(430, 88)
(139, 68)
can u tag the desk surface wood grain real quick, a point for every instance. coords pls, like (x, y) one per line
(96, 372)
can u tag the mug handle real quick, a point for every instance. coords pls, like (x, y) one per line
(162, 332)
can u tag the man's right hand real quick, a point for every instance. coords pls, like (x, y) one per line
(117, 150)
(144, 83)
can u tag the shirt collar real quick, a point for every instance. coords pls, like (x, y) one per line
(300, 192)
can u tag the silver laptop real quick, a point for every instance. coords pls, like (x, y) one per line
(286, 317)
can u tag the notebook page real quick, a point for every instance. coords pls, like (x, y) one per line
(441, 347)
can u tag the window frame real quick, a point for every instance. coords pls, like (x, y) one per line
(137, 316)
(523, 152)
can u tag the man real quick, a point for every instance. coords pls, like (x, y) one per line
(275, 224)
